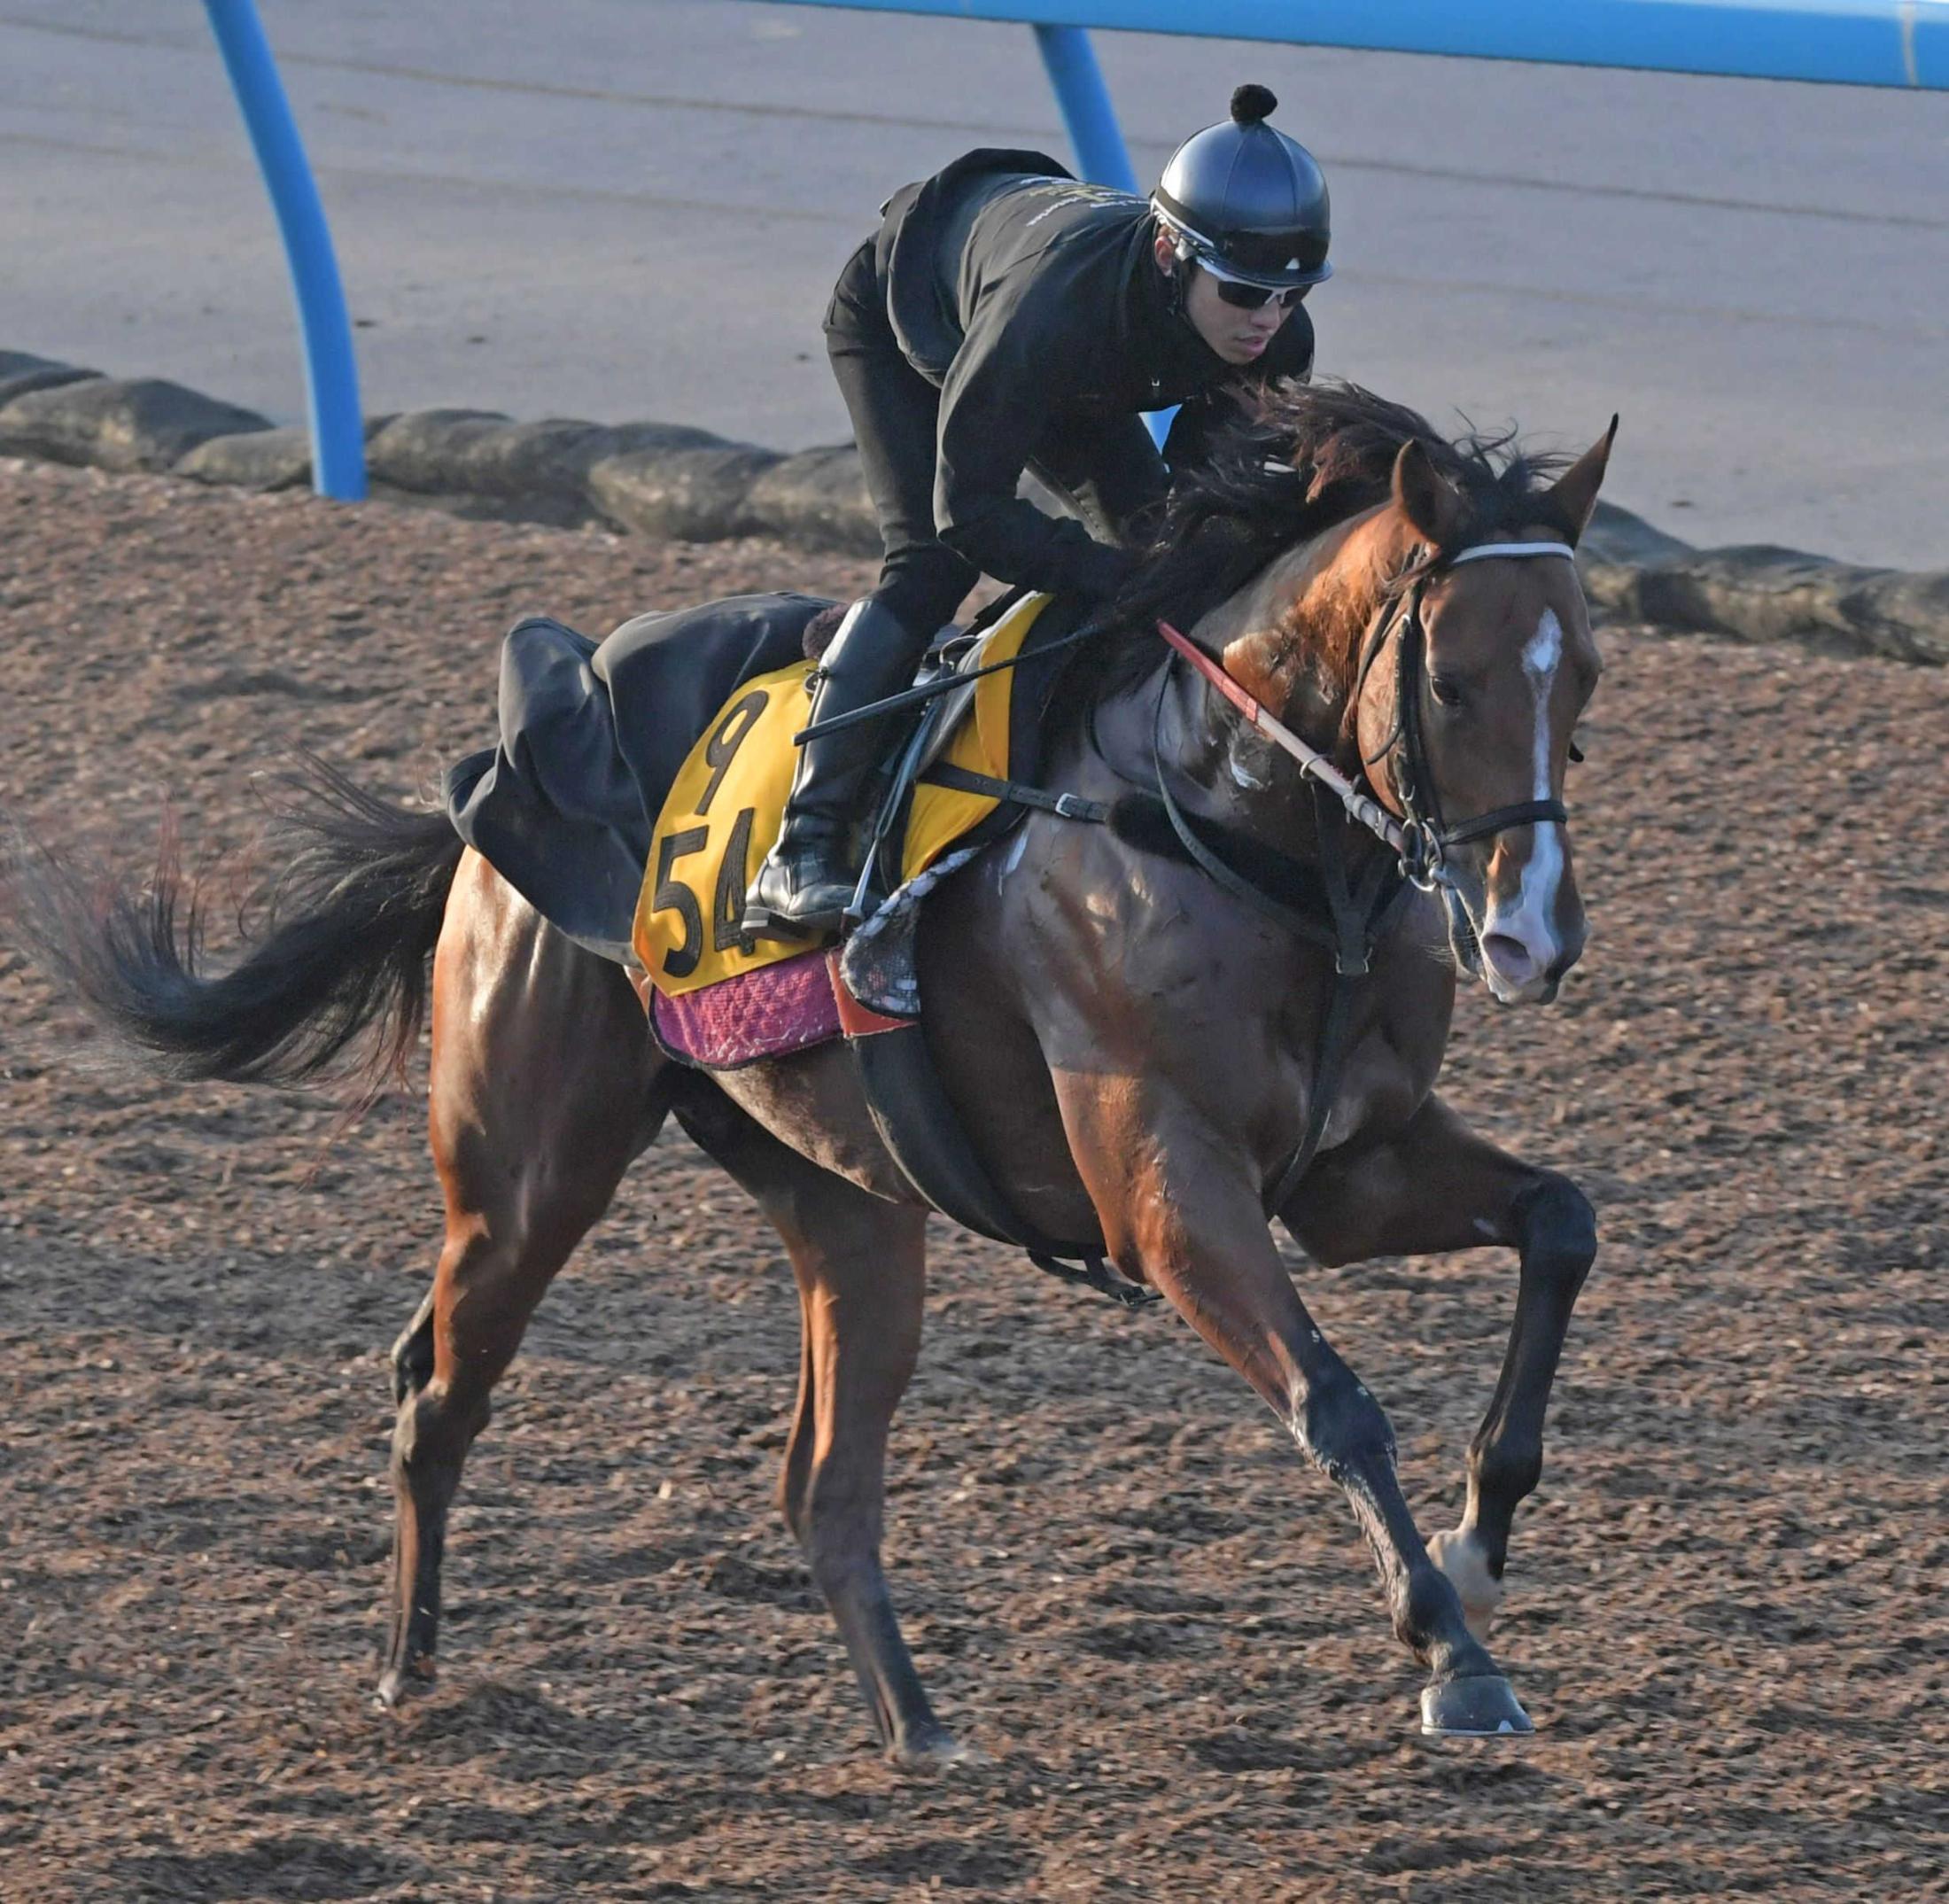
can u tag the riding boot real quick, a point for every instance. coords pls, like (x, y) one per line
(808, 878)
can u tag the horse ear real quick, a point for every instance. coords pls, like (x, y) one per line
(1433, 505)
(1574, 494)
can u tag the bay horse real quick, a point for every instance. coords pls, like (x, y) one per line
(1131, 1046)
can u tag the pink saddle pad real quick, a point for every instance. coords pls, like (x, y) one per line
(788, 1007)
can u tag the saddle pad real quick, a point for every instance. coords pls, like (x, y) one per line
(783, 1007)
(724, 810)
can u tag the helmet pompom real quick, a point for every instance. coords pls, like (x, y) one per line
(1251, 104)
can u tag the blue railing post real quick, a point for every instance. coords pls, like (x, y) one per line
(1071, 63)
(331, 371)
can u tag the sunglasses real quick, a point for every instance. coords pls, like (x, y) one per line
(1252, 297)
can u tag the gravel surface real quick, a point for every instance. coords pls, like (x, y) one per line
(1726, 1608)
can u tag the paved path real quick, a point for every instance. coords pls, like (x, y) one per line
(619, 209)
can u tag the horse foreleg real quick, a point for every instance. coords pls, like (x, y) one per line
(541, 1092)
(1438, 1186)
(861, 1270)
(1181, 1207)
(413, 1353)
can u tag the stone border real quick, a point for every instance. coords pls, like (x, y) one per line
(668, 480)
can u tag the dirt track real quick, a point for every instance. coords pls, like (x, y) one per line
(1727, 1603)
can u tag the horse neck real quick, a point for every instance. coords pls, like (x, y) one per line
(1293, 636)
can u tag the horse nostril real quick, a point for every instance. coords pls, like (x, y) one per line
(1509, 957)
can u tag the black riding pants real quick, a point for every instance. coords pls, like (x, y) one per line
(895, 416)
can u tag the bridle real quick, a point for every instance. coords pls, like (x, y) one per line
(1426, 839)
(1419, 835)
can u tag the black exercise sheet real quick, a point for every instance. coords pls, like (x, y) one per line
(592, 736)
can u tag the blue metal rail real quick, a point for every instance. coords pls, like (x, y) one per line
(1855, 42)
(1849, 42)
(331, 366)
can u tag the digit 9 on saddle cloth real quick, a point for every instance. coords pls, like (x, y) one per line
(724, 808)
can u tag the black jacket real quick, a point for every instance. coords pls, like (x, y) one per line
(1036, 304)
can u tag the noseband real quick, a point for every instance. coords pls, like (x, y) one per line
(1426, 837)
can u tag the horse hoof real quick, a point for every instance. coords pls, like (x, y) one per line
(1484, 1707)
(935, 1750)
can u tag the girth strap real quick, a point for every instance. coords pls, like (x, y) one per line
(1362, 917)
(923, 1135)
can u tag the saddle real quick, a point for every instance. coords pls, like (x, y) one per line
(592, 734)
(953, 771)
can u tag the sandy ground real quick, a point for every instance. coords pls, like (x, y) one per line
(1726, 1607)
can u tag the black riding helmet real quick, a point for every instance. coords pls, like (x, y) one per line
(1248, 201)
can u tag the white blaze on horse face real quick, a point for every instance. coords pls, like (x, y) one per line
(1527, 927)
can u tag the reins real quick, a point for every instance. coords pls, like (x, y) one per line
(1360, 806)
(945, 683)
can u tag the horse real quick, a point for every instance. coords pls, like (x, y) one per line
(1131, 1035)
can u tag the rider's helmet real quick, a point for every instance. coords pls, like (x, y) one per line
(1246, 202)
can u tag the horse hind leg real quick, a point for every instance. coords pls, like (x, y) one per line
(545, 1086)
(861, 1265)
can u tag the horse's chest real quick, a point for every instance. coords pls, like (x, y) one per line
(1381, 1087)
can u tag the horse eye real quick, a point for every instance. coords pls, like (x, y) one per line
(1445, 691)
(1576, 752)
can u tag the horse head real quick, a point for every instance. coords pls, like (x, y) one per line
(1475, 667)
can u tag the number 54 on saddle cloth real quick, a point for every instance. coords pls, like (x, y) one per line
(726, 806)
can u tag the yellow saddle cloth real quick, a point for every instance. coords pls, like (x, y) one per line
(724, 808)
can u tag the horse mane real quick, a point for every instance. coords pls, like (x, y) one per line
(1309, 456)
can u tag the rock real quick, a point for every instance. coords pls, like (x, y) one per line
(471, 507)
(543, 469)
(558, 455)
(1617, 535)
(257, 459)
(420, 449)
(1905, 613)
(118, 424)
(696, 496)
(21, 371)
(670, 479)
(1759, 592)
(819, 497)
(536, 472)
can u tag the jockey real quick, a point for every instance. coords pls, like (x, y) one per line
(1005, 317)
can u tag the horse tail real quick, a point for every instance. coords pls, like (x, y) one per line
(336, 944)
